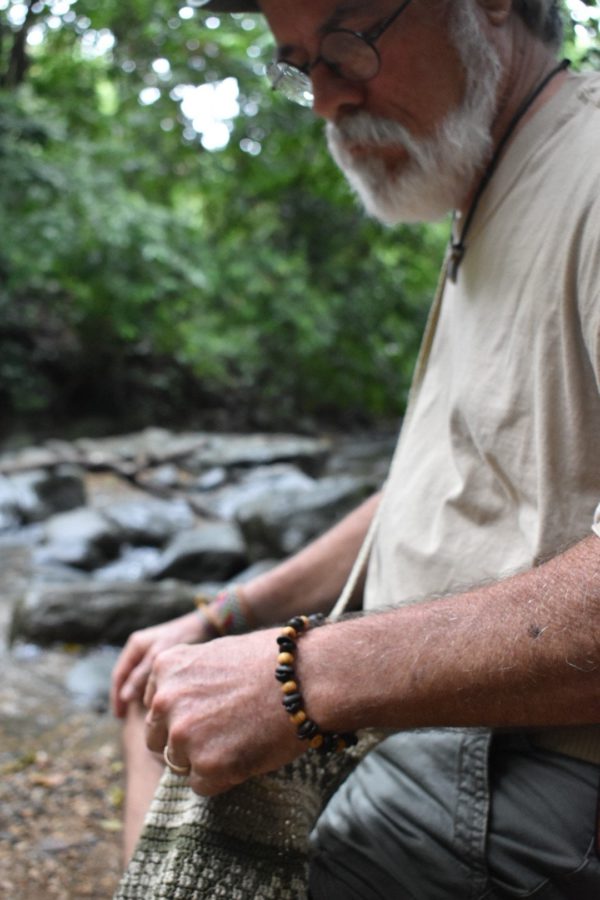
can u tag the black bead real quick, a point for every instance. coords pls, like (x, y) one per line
(284, 673)
(286, 644)
(291, 698)
(292, 703)
(316, 619)
(297, 623)
(307, 730)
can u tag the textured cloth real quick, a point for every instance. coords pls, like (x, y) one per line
(498, 465)
(501, 440)
(248, 844)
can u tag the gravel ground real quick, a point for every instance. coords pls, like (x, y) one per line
(60, 772)
(60, 787)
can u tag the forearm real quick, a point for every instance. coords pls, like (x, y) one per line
(312, 579)
(524, 652)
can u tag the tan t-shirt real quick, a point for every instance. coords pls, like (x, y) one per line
(498, 463)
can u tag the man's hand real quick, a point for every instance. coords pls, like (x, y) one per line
(218, 709)
(135, 662)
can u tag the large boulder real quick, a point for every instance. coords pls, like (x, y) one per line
(149, 520)
(282, 523)
(133, 564)
(212, 552)
(28, 497)
(92, 612)
(253, 486)
(83, 538)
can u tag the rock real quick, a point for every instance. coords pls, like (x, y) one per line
(253, 486)
(134, 564)
(92, 612)
(215, 551)
(54, 572)
(284, 522)
(9, 520)
(44, 492)
(25, 536)
(151, 446)
(211, 479)
(232, 450)
(364, 456)
(167, 476)
(26, 459)
(150, 520)
(88, 682)
(82, 538)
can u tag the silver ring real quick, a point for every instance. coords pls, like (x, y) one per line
(176, 770)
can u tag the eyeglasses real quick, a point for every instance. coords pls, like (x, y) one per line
(351, 55)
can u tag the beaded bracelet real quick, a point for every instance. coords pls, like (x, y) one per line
(227, 613)
(306, 729)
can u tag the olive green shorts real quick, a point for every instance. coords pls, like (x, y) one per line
(460, 815)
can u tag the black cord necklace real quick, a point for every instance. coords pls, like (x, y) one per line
(458, 247)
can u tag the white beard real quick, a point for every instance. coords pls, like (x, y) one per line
(440, 169)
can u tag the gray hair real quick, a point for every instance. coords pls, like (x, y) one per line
(543, 19)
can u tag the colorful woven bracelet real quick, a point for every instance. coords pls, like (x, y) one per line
(306, 729)
(227, 613)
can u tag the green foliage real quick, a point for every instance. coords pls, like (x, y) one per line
(142, 275)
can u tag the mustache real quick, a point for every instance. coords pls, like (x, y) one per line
(376, 131)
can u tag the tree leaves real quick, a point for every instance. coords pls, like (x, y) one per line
(139, 270)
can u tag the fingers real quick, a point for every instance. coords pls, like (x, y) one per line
(130, 657)
(135, 685)
(149, 690)
(157, 735)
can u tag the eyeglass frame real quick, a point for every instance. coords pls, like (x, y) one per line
(368, 37)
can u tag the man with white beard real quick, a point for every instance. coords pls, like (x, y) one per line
(484, 568)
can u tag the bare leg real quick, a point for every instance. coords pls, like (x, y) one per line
(142, 771)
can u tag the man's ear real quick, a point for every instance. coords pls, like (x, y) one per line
(497, 11)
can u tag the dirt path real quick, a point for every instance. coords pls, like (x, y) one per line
(60, 780)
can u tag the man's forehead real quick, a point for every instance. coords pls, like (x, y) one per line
(323, 14)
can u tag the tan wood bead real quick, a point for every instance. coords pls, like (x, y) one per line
(290, 632)
(290, 687)
(299, 717)
(316, 742)
(285, 659)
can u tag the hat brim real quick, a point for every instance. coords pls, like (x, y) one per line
(231, 6)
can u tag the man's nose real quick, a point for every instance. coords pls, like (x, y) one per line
(332, 93)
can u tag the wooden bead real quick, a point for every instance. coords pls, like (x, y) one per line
(289, 632)
(299, 717)
(284, 673)
(285, 659)
(286, 645)
(289, 687)
(316, 742)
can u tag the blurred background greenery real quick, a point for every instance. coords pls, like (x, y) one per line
(175, 245)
